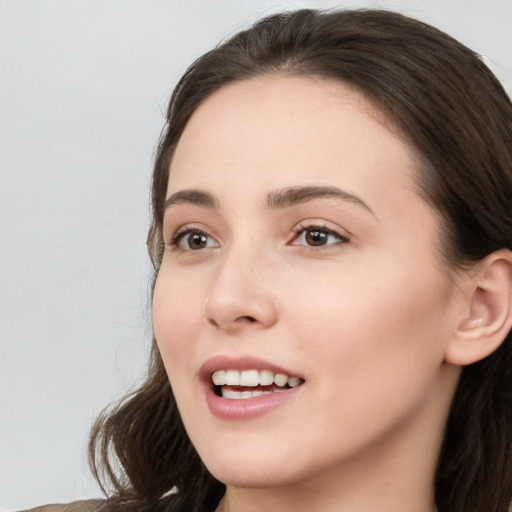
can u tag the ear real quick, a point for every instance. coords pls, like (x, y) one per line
(488, 317)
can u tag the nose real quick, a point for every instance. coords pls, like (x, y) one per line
(242, 293)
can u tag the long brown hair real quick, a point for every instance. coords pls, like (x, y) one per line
(454, 112)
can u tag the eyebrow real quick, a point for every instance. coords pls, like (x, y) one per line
(297, 195)
(276, 199)
(196, 197)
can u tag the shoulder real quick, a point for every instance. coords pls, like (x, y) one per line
(76, 506)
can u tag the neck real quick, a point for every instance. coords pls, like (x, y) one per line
(353, 494)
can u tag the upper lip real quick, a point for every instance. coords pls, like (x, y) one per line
(225, 362)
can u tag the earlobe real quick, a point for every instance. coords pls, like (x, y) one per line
(489, 311)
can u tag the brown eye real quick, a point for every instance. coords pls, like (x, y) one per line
(316, 237)
(192, 240)
(196, 240)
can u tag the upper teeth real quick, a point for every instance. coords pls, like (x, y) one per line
(253, 378)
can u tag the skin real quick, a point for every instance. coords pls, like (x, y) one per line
(365, 319)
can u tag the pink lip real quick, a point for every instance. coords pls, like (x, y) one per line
(228, 409)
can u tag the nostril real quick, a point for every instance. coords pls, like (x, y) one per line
(246, 319)
(213, 322)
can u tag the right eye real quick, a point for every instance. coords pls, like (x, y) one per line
(191, 239)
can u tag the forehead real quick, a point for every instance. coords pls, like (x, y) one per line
(276, 128)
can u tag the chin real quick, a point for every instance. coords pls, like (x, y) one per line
(260, 466)
(246, 475)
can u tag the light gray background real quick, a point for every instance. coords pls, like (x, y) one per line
(83, 88)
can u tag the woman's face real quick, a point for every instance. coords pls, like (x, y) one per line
(301, 274)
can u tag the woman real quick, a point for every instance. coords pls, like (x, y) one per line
(332, 238)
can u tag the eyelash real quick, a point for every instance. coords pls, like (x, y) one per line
(183, 232)
(298, 231)
(301, 229)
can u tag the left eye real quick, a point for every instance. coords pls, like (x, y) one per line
(193, 240)
(317, 237)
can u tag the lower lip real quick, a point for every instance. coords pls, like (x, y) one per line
(247, 408)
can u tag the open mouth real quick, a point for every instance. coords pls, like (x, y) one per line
(236, 385)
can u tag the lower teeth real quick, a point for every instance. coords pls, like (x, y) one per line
(239, 395)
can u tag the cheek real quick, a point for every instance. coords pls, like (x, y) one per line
(367, 333)
(177, 310)
(373, 360)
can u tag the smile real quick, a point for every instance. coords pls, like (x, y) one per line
(237, 385)
(246, 387)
